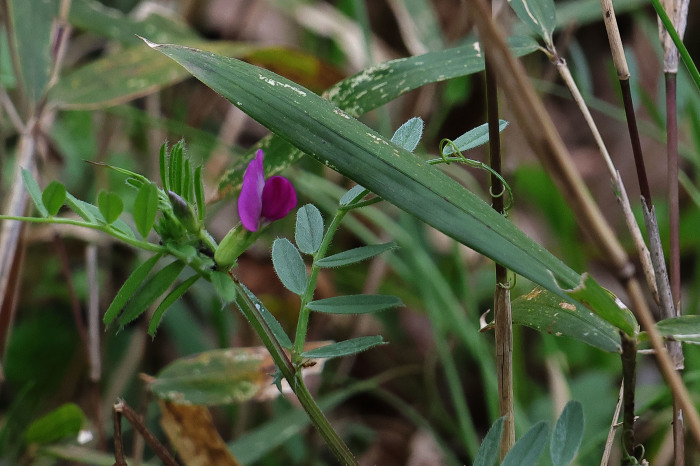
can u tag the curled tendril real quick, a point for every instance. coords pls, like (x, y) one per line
(444, 158)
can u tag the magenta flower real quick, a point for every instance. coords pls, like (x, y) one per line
(264, 200)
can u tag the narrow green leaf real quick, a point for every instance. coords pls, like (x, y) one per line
(352, 256)
(355, 304)
(146, 208)
(309, 229)
(289, 265)
(163, 165)
(528, 448)
(150, 291)
(603, 303)
(77, 206)
(490, 448)
(350, 197)
(372, 88)
(62, 422)
(130, 286)
(34, 192)
(53, 197)
(538, 15)
(31, 27)
(409, 134)
(224, 286)
(325, 132)
(472, 138)
(110, 205)
(683, 328)
(550, 313)
(169, 301)
(567, 435)
(176, 168)
(199, 194)
(187, 182)
(345, 348)
(274, 325)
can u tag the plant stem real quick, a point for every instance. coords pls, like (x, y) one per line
(501, 300)
(629, 375)
(308, 296)
(318, 419)
(636, 144)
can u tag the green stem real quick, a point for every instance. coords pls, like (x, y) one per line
(307, 297)
(318, 419)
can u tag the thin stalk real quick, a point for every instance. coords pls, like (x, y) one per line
(308, 296)
(674, 222)
(318, 419)
(678, 42)
(629, 375)
(634, 138)
(539, 130)
(501, 300)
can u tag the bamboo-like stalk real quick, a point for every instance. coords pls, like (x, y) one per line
(541, 135)
(501, 300)
(629, 375)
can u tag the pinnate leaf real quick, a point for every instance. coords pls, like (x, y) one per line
(146, 208)
(355, 255)
(309, 229)
(150, 291)
(289, 265)
(345, 348)
(169, 301)
(270, 320)
(53, 197)
(110, 205)
(130, 286)
(409, 134)
(528, 448)
(567, 435)
(355, 304)
(472, 138)
(490, 448)
(224, 286)
(34, 192)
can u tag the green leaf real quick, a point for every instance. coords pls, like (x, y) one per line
(30, 23)
(199, 193)
(309, 229)
(547, 312)
(289, 265)
(110, 205)
(77, 206)
(603, 303)
(567, 435)
(216, 377)
(490, 448)
(34, 192)
(538, 15)
(126, 75)
(163, 167)
(372, 88)
(150, 291)
(355, 255)
(528, 448)
(64, 421)
(350, 197)
(53, 197)
(409, 134)
(683, 328)
(325, 132)
(176, 156)
(224, 286)
(270, 320)
(146, 208)
(355, 304)
(345, 348)
(130, 286)
(472, 138)
(169, 301)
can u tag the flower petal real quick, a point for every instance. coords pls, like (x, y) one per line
(250, 201)
(278, 198)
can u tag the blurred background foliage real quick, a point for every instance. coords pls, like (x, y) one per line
(430, 395)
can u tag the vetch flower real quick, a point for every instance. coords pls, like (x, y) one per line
(263, 200)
